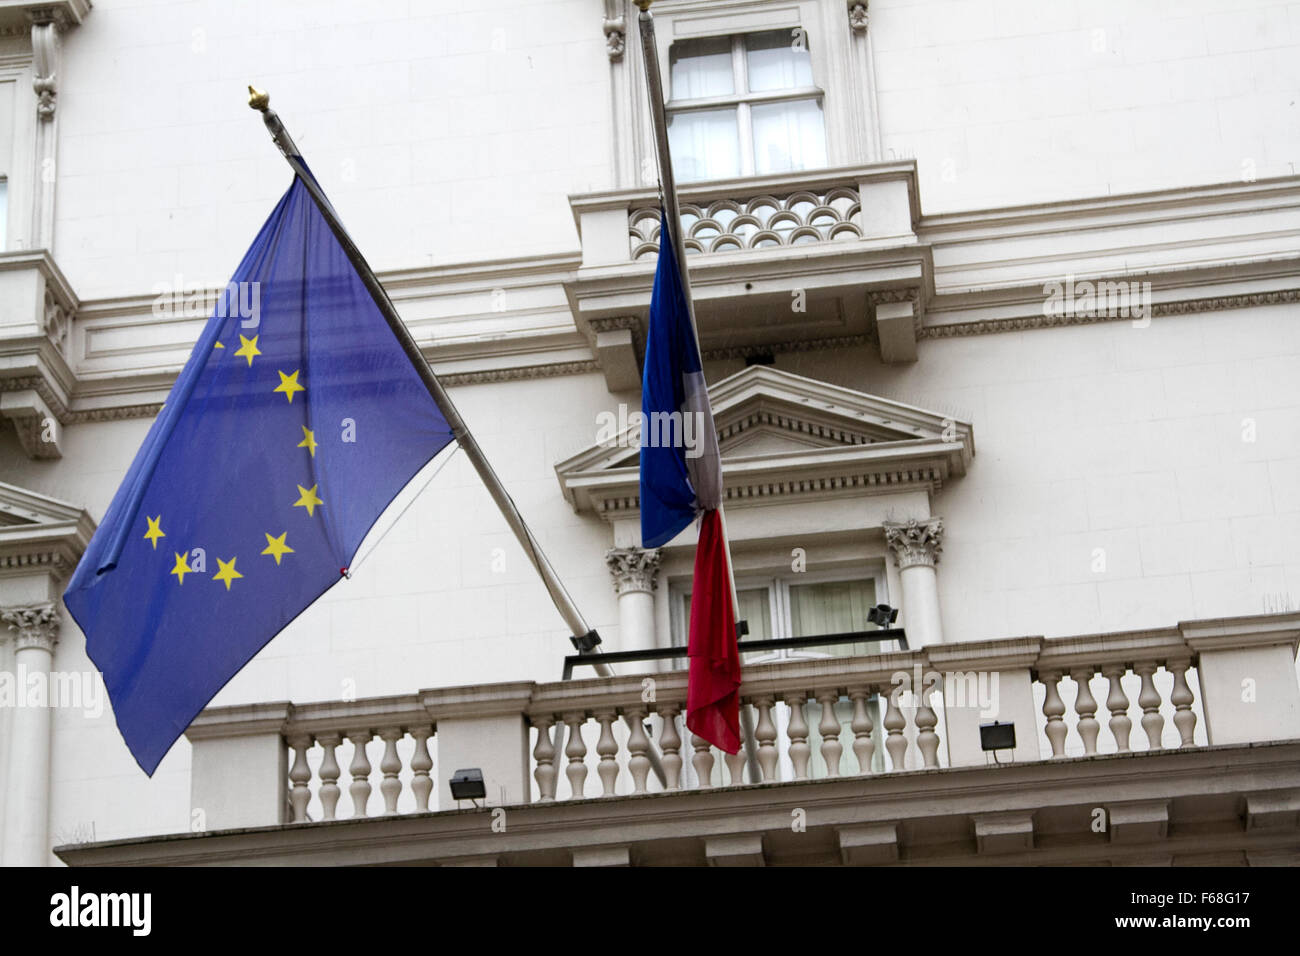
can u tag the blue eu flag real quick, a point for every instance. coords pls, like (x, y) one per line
(295, 422)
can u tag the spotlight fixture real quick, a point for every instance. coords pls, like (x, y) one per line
(998, 736)
(882, 615)
(468, 784)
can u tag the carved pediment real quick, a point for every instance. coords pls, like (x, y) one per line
(783, 436)
(37, 532)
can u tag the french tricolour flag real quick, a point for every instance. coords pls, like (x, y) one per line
(681, 479)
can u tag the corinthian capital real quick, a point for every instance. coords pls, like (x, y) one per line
(915, 542)
(633, 569)
(37, 625)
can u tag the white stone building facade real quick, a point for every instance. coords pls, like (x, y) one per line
(998, 306)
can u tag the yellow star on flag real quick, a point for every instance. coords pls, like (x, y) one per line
(154, 532)
(308, 499)
(248, 348)
(276, 547)
(182, 568)
(227, 572)
(309, 441)
(218, 345)
(289, 384)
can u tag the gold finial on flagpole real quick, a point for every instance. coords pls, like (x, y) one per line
(644, 5)
(258, 99)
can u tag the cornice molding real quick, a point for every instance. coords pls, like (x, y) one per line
(520, 373)
(517, 319)
(1215, 303)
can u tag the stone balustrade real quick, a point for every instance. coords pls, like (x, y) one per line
(1200, 683)
(755, 212)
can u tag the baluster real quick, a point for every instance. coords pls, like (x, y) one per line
(544, 752)
(798, 730)
(391, 765)
(829, 728)
(1085, 705)
(576, 751)
(300, 774)
(895, 742)
(1182, 699)
(864, 748)
(607, 748)
(360, 771)
(927, 741)
(421, 764)
(766, 734)
(1053, 709)
(638, 745)
(1153, 725)
(702, 760)
(670, 742)
(1117, 704)
(736, 765)
(329, 775)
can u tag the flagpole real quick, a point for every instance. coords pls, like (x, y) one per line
(584, 637)
(673, 217)
(672, 211)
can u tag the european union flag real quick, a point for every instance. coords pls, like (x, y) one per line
(295, 422)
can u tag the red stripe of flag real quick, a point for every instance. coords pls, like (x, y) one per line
(712, 700)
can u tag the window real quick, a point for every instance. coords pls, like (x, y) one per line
(744, 105)
(803, 605)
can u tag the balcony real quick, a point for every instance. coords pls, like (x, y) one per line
(777, 263)
(850, 764)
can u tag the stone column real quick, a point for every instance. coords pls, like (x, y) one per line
(916, 546)
(634, 571)
(27, 815)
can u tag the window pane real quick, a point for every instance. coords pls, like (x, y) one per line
(700, 68)
(755, 609)
(705, 144)
(789, 136)
(778, 60)
(833, 607)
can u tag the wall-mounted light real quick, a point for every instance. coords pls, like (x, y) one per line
(882, 615)
(997, 736)
(468, 785)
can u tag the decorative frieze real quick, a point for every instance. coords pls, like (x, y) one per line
(37, 625)
(1215, 303)
(633, 569)
(915, 543)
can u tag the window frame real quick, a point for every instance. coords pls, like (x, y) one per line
(743, 99)
(778, 586)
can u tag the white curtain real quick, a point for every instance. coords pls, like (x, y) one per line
(778, 61)
(699, 68)
(788, 135)
(705, 144)
(832, 607)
